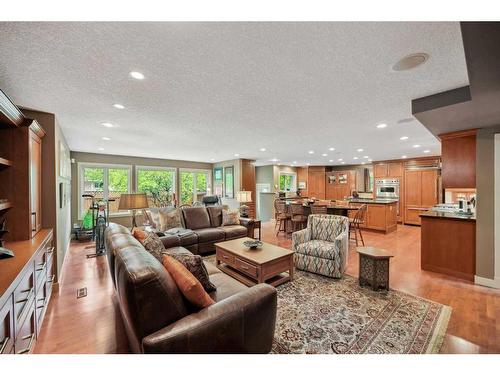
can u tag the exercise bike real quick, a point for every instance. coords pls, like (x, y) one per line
(100, 220)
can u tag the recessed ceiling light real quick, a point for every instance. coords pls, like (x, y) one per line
(294, 162)
(363, 163)
(308, 163)
(331, 160)
(404, 138)
(366, 157)
(106, 139)
(410, 61)
(324, 154)
(416, 146)
(311, 152)
(355, 158)
(343, 162)
(107, 124)
(119, 106)
(101, 148)
(274, 160)
(332, 149)
(137, 75)
(403, 157)
(236, 155)
(341, 159)
(262, 149)
(381, 126)
(212, 159)
(427, 151)
(360, 150)
(370, 160)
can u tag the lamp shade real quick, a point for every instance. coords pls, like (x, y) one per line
(133, 201)
(244, 196)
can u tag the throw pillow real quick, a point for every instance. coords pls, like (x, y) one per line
(189, 286)
(139, 234)
(230, 217)
(195, 265)
(170, 219)
(153, 245)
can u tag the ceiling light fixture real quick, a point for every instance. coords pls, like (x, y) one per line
(416, 146)
(311, 152)
(355, 158)
(106, 139)
(212, 159)
(381, 126)
(101, 148)
(341, 159)
(236, 155)
(119, 106)
(370, 160)
(366, 157)
(330, 161)
(360, 150)
(294, 162)
(107, 124)
(410, 61)
(137, 75)
(404, 138)
(331, 149)
(403, 157)
(324, 154)
(427, 151)
(343, 162)
(262, 149)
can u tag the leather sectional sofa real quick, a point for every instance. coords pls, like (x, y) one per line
(158, 319)
(207, 229)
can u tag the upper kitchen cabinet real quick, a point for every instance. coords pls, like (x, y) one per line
(458, 155)
(388, 169)
(340, 184)
(316, 181)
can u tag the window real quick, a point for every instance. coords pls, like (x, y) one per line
(158, 184)
(103, 182)
(288, 182)
(195, 184)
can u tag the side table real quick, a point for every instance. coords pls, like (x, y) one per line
(257, 225)
(374, 267)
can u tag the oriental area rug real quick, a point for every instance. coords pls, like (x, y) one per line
(320, 315)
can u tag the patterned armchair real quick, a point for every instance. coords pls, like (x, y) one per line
(322, 247)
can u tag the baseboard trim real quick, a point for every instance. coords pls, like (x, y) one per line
(492, 283)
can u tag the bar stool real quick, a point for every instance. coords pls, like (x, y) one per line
(356, 222)
(299, 217)
(281, 216)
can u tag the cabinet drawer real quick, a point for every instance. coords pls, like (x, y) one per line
(225, 257)
(41, 304)
(245, 267)
(24, 294)
(25, 337)
(7, 327)
(40, 266)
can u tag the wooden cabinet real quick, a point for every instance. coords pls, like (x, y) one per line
(35, 166)
(26, 287)
(375, 216)
(316, 180)
(421, 193)
(388, 169)
(381, 217)
(458, 154)
(340, 184)
(247, 183)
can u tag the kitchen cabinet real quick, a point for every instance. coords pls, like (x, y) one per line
(421, 193)
(316, 181)
(458, 154)
(340, 184)
(388, 169)
(380, 217)
(35, 165)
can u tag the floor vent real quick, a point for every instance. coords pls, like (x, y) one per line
(82, 292)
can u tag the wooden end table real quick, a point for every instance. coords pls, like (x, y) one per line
(374, 267)
(270, 264)
(257, 224)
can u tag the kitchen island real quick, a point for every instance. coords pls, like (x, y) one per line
(448, 244)
(381, 214)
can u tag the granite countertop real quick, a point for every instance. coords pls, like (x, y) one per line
(373, 201)
(448, 215)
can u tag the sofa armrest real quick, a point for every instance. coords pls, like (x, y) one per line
(170, 240)
(242, 323)
(299, 237)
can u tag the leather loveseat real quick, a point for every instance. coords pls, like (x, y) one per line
(207, 229)
(158, 319)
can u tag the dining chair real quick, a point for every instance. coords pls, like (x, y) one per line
(356, 222)
(298, 217)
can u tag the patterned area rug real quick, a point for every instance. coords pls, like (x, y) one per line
(320, 315)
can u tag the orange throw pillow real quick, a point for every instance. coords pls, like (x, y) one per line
(139, 234)
(189, 285)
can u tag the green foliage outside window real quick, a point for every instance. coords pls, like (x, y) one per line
(96, 177)
(158, 185)
(187, 187)
(286, 182)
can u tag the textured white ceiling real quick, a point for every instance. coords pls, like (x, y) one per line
(216, 89)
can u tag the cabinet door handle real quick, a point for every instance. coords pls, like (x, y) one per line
(30, 291)
(50, 251)
(42, 266)
(28, 349)
(33, 216)
(4, 344)
(244, 267)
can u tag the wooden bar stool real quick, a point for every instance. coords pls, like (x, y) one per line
(356, 222)
(298, 216)
(282, 216)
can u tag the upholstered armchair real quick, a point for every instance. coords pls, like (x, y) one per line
(322, 247)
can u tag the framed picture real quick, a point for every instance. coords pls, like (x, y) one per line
(229, 182)
(218, 178)
(302, 185)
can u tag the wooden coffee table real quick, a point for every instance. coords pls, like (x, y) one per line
(270, 264)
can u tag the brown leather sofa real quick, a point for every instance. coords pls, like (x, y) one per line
(158, 319)
(206, 224)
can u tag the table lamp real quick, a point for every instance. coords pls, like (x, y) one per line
(137, 201)
(244, 197)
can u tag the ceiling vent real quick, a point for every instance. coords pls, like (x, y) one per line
(410, 62)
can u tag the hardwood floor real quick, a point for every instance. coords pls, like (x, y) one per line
(93, 324)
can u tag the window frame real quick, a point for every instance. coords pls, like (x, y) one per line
(155, 168)
(105, 167)
(195, 182)
(294, 179)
